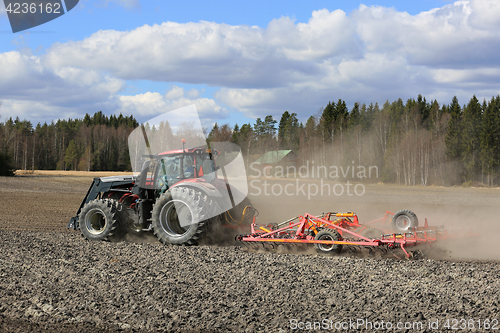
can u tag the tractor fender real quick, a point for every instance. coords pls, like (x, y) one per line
(224, 196)
(209, 190)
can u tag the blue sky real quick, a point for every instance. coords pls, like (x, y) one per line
(240, 60)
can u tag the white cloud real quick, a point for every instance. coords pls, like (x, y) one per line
(442, 37)
(327, 34)
(485, 14)
(246, 99)
(30, 89)
(153, 103)
(193, 93)
(467, 77)
(34, 111)
(147, 104)
(215, 54)
(33, 90)
(175, 92)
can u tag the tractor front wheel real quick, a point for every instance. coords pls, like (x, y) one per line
(328, 235)
(99, 220)
(180, 216)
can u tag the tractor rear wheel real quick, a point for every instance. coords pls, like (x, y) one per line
(180, 216)
(403, 220)
(99, 219)
(328, 235)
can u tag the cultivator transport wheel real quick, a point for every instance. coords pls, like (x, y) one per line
(328, 235)
(180, 216)
(99, 220)
(403, 220)
(371, 233)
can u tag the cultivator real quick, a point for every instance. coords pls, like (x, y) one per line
(332, 232)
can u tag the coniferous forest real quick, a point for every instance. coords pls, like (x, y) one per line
(94, 143)
(411, 143)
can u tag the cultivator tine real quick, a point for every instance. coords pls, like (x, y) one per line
(351, 249)
(392, 252)
(369, 248)
(416, 255)
(268, 246)
(239, 239)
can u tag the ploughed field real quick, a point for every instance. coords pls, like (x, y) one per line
(53, 280)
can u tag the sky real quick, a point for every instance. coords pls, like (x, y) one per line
(239, 60)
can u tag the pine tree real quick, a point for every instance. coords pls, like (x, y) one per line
(71, 155)
(245, 138)
(355, 116)
(214, 133)
(310, 127)
(341, 114)
(6, 167)
(288, 131)
(270, 126)
(424, 110)
(471, 138)
(236, 134)
(454, 131)
(490, 134)
(369, 116)
(328, 119)
(282, 127)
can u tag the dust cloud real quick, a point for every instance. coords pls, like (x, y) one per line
(470, 215)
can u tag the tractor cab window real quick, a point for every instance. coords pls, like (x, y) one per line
(170, 169)
(188, 165)
(171, 172)
(205, 167)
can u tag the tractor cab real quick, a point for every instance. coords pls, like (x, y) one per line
(175, 166)
(164, 170)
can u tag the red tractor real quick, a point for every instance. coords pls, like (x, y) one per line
(177, 195)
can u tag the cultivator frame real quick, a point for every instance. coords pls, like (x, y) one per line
(345, 231)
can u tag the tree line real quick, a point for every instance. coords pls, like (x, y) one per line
(412, 143)
(94, 143)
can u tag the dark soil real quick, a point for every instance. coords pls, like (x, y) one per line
(53, 280)
(61, 282)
